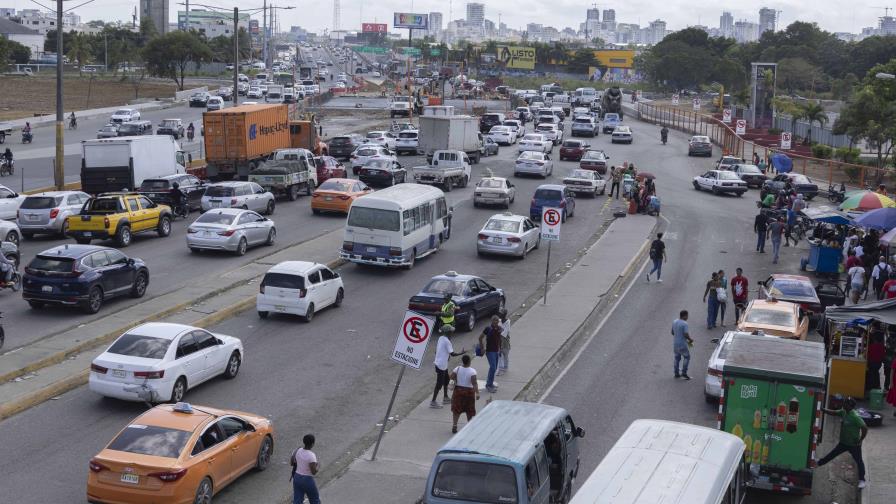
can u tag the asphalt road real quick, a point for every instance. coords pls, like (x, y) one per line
(332, 376)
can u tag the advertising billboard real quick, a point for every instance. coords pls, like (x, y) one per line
(374, 27)
(517, 57)
(409, 20)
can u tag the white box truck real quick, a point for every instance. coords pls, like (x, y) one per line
(455, 133)
(116, 164)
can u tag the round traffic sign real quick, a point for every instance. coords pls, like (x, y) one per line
(551, 217)
(415, 329)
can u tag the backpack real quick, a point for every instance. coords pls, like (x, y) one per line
(654, 252)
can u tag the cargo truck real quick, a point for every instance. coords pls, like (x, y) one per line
(772, 393)
(238, 139)
(290, 171)
(122, 164)
(454, 133)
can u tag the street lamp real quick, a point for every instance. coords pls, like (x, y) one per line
(883, 75)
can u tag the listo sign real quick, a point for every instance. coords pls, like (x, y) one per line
(374, 27)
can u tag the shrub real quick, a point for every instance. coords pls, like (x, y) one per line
(774, 131)
(852, 172)
(847, 155)
(821, 151)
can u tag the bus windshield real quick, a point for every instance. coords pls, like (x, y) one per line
(374, 218)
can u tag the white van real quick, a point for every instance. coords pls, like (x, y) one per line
(584, 96)
(396, 226)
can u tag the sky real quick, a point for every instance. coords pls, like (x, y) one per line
(315, 15)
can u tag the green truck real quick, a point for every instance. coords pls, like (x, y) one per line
(772, 393)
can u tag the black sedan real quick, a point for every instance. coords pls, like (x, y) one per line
(474, 297)
(751, 174)
(159, 189)
(382, 172)
(699, 145)
(799, 182)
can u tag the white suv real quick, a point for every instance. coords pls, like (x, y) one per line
(125, 115)
(298, 288)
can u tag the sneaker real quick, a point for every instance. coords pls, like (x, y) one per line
(677, 375)
(685, 376)
(492, 389)
(446, 400)
(648, 278)
(660, 280)
(861, 483)
(435, 405)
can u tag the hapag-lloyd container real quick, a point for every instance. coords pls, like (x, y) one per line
(238, 138)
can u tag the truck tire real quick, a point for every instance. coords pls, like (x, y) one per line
(447, 185)
(293, 193)
(463, 182)
(123, 236)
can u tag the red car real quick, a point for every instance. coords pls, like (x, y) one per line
(573, 150)
(328, 167)
(594, 160)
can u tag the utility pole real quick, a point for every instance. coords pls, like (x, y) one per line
(264, 33)
(58, 166)
(236, 55)
(187, 25)
(106, 52)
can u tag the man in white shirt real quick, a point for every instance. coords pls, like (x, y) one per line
(856, 276)
(444, 350)
(304, 463)
(880, 274)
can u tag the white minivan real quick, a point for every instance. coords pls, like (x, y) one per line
(298, 288)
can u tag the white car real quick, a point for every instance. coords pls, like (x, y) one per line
(254, 92)
(494, 191)
(237, 194)
(534, 163)
(384, 138)
(214, 103)
(712, 384)
(125, 115)
(502, 135)
(535, 142)
(298, 288)
(407, 142)
(508, 234)
(159, 362)
(586, 182)
(551, 132)
(621, 134)
(376, 74)
(720, 181)
(9, 232)
(517, 127)
(10, 201)
(46, 212)
(367, 152)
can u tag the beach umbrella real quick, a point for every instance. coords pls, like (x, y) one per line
(881, 218)
(866, 200)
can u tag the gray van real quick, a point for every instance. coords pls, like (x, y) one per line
(512, 452)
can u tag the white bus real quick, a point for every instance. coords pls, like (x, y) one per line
(657, 461)
(396, 226)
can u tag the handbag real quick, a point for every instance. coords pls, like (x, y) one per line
(478, 350)
(721, 294)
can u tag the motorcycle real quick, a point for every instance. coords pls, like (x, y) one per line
(27, 136)
(7, 167)
(837, 196)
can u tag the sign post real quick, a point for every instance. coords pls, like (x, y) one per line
(786, 140)
(696, 103)
(675, 99)
(551, 220)
(741, 127)
(410, 347)
(726, 115)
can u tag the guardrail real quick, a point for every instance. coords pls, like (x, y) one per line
(721, 134)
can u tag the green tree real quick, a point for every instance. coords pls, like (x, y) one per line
(581, 60)
(79, 48)
(171, 54)
(785, 105)
(797, 74)
(871, 113)
(13, 52)
(814, 113)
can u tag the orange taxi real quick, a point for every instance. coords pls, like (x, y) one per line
(337, 195)
(179, 454)
(774, 318)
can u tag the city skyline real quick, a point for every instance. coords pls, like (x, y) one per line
(518, 14)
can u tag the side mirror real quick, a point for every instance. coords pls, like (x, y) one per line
(580, 432)
(130, 261)
(250, 427)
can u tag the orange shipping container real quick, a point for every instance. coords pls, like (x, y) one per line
(245, 132)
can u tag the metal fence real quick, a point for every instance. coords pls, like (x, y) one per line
(820, 135)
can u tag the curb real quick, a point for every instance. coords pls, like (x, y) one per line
(67, 384)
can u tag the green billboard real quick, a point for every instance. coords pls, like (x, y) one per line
(372, 50)
(410, 51)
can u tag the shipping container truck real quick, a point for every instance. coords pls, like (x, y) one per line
(773, 392)
(454, 133)
(238, 139)
(121, 164)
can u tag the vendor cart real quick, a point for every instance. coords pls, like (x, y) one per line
(825, 255)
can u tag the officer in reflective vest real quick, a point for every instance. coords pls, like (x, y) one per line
(446, 317)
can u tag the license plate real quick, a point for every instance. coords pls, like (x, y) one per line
(33, 217)
(328, 198)
(280, 308)
(216, 204)
(88, 233)
(496, 239)
(371, 249)
(119, 373)
(129, 478)
(46, 288)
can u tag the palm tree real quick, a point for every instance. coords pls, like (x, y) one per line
(789, 107)
(813, 112)
(78, 49)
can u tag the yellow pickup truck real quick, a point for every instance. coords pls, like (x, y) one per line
(118, 216)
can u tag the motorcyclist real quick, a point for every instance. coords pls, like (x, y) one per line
(177, 199)
(72, 121)
(8, 155)
(190, 131)
(27, 128)
(664, 134)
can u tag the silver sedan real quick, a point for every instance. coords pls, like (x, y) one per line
(534, 163)
(508, 234)
(230, 229)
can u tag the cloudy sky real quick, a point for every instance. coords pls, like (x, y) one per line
(316, 15)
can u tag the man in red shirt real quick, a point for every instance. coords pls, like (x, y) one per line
(889, 288)
(740, 291)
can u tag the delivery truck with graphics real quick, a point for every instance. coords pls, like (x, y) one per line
(773, 392)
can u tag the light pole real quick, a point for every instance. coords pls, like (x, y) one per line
(58, 166)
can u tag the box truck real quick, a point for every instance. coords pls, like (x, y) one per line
(454, 133)
(121, 164)
(772, 397)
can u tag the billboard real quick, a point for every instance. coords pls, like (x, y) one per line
(517, 57)
(373, 27)
(409, 20)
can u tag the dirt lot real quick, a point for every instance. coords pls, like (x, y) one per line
(31, 96)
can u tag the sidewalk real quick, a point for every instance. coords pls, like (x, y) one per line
(53, 365)
(407, 450)
(879, 449)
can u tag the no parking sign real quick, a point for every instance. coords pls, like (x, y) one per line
(551, 219)
(413, 337)
(741, 127)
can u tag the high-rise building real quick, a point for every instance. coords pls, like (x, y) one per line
(609, 22)
(767, 18)
(656, 32)
(591, 26)
(592, 14)
(157, 12)
(887, 26)
(475, 14)
(745, 31)
(435, 24)
(726, 24)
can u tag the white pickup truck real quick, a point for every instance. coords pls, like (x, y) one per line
(5, 130)
(449, 169)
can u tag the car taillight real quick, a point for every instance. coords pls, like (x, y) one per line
(106, 222)
(482, 236)
(513, 239)
(53, 213)
(149, 375)
(394, 251)
(229, 232)
(348, 246)
(344, 197)
(96, 466)
(539, 163)
(714, 372)
(169, 475)
(302, 293)
(233, 201)
(98, 369)
(315, 195)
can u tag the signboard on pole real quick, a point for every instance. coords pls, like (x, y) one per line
(374, 27)
(726, 115)
(410, 20)
(675, 99)
(517, 57)
(696, 103)
(372, 50)
(551, 220)
(740, 127)
(435, 51)
(413, 336)
(410, 51)
(785, 140)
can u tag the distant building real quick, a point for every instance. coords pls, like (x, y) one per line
(887, 26)
(609, 22)
(846, 36)
(535, 31)
(157, 12)
(211, 23)
(435, 25)
(41, 22)
(32, 39)
(475, 14)
(767, 18)
(726, 24)
(592, 14)
(656, 31)
(745, 31)
(7, 12)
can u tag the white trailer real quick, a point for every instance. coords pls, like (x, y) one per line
(116, 164)
(455, 133)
